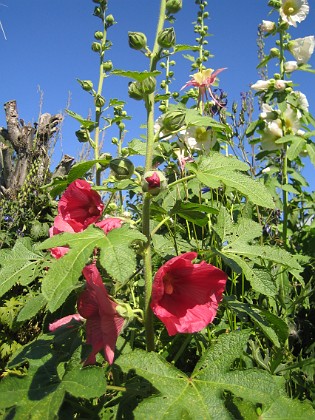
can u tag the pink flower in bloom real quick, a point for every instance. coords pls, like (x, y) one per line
(185, 296)
(103, 324)
(109, 224)
(203, 80)
(80, 206)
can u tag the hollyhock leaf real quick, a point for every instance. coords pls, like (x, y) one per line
(310, 147)
(83, 121)
(288, 408)
(116, 256)
(202, 394)
(193, 212)
(19, 265)
(224, 170)
(31, 308)
(64, 273)
(136, 75)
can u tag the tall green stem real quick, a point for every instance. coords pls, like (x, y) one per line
(149, 103)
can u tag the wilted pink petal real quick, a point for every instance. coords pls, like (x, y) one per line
(65, 320)
(103, 324)
(185, 296)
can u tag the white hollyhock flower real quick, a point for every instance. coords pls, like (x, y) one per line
(199, 138)
(294, 11)
(281, 84)
(290, 66)
(302, 48)
(302, 102)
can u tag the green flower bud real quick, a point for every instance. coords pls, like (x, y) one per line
(98, 35)
(96, 46)
(154, 182)
(109, 20)
(108, 65)
(137, 40)
(274, 52)
(275, 3)
(174, 120)
(124, 310)
(99, 101)
(82, 135)
(122, 168)
(135, 91)
(148, 85)
(173, 6)
(166, 38)
(86, 84)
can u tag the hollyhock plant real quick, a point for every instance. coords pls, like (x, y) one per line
(80, 206)
(199, 138)
(185, 296)
(294, 11)
(203, 81)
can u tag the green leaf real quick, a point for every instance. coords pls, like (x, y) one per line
(201, 396)
(310, 147)
(288, 408)
(31, 308)
(296, 147)
(90, 125)
(275, 329)
(18, 265)
(136, 75)
(137, 147)
(185, 47)
(193, 118)
(64, 273)
(193, 212)
(116, 256)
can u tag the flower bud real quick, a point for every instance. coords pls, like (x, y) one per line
(290, 66)
(173, 6)
(86, 84)
(137, 40)
(98, 35)
(109, 20)
(96, 46)
(82, 135)
(166, 38)
(107, 65)
(148, 85)
(174, 120)
(135, 91)
(267, 26)
(274, 52)
(122, 168)
(154, 182)
(99, 101)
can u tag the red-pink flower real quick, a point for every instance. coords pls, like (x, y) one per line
(103, 324)
(203, 80)
(185, 296)
(80, 206)
(64, 321)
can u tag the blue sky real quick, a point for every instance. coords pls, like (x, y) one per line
(48, 47)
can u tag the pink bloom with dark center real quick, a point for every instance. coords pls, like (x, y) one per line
(185, 296)
(103, 324)
(80, 206)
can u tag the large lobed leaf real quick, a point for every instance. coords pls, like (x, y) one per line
(201, 396)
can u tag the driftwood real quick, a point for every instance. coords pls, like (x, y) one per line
(24, 148)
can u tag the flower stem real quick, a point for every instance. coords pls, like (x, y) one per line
(149, 104)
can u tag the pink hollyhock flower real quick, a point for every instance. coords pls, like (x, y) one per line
(203, 80)
(185, 296)
(60, 226)
(80, 206)
(109, 224)
(103, 324)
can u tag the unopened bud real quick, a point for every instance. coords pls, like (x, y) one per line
(154, 182)
(99, 101)
(167, 38)
(96, 46)
(148, 85)
(137, 40)
(82, 135)
(107, 65)
(274, 52)
(174, 120)
(98, 35)
(135, 91)
(109, 20)
(86, 84)
(173, 6)
(122, 168)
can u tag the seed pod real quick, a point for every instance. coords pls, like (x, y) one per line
(174, 120)
(148, 85)
(135, 91)
(173, 6)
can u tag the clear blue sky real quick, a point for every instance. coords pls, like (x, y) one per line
(48, 46)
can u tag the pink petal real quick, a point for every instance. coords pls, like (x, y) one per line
(65, 320)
